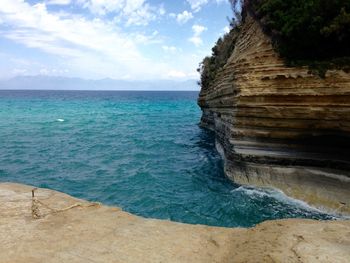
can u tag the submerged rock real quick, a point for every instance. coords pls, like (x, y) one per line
(280, 126)
(66, 229)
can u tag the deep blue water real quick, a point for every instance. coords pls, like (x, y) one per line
(142, 151)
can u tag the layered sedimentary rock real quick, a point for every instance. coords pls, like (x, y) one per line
(60, 228)
(280, 126)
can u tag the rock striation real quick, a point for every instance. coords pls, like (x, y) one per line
(279, 126)
(66, 229)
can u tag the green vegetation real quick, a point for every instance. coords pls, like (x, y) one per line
(221, 52)
(314, 33)
(307, 32)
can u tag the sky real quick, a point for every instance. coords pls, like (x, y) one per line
(118, 39)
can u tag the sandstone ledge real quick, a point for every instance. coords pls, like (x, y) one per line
(97, 233)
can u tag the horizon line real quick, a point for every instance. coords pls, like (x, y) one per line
(189, 90)
(80, 78)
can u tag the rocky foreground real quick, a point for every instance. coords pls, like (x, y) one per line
(56, 227)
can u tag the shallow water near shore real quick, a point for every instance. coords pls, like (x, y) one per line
(141, 151)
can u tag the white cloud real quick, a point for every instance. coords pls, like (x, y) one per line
(197, 31)
(145, 39)
(196, 5)
(226, 29)
(92, 47)
(52, 72)
(19, 71)
(162, 10)
(58, 2)
(171, 49)
(221, 1)
(176, 74)
(44, 71)
(102, 7)
(197, 41)
(179, 74)
(133, 12)
(184, 17)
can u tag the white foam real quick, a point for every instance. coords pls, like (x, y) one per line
(60, 120)
(280, 196)
(220, 149)
(252, 191)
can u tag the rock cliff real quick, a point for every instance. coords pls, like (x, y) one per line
(66, 229)
(280, 126)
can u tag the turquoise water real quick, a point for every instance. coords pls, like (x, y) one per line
(142, 151)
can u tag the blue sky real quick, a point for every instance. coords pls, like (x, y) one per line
(119, 39)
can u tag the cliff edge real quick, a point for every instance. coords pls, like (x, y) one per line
(280, 126)
(60, 228)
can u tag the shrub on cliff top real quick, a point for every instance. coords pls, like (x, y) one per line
(221, 52)
(313, 32)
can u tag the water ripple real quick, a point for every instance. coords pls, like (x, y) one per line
(142, 151)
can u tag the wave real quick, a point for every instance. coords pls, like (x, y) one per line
(255, 192)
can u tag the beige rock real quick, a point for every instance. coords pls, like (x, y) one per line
(74, 230)
(280, 126)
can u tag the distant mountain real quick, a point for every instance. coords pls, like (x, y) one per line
(63, 83)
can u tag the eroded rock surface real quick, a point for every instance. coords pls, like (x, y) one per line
(73, 230)
(280, 126)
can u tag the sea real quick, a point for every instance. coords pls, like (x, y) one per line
(142, 151)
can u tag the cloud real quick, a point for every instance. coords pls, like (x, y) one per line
(197, 31)
(176, 74)
(133, 12)
(221, 1)
(93, 47)
(184, 17)
(102, 7)
(44, 71)
(196, 5)
(52, 72)
(19, 71)
(197, 41)
(145, 39)
(170, 49)
(81, 44)
(58, 2)
(226, 30)
(179, 74)
(162, 10)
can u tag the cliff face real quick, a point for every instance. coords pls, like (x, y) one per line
(279, 126)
